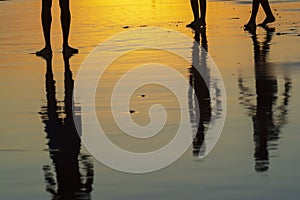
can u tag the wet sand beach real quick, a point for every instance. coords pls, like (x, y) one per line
(256, 156)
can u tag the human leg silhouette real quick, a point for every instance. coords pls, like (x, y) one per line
(195, 8)
(203, 12)
(255, 6)
(269, 15)
(252, 22)
(65, 18)
(46, 23)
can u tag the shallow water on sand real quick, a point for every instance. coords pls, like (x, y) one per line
(255, 158)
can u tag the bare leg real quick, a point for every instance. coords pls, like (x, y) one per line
(197, 20)
(252, 22)
(269, 15)
(195, 8)
(203, 12)
(46, 23)
(65, 18)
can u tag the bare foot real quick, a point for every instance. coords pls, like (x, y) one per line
(250, 26)
(192, 25)
(267, 21)
(43, 52)
(196, 24)
(69, 50)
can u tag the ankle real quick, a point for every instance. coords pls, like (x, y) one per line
(271, 17)
(251, 22)
(65, 45)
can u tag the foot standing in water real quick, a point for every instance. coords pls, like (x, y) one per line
(267, 9)
(65, 18)
(198, 21)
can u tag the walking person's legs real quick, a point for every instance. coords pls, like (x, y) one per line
(252, 21)
(269, 15)
(267, 9)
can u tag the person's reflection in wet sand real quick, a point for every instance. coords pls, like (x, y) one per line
(74, 171)
(267, 116)
(200, 115)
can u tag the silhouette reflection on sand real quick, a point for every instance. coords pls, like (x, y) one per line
(200, 117)
(71, 175)
(270, 111)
